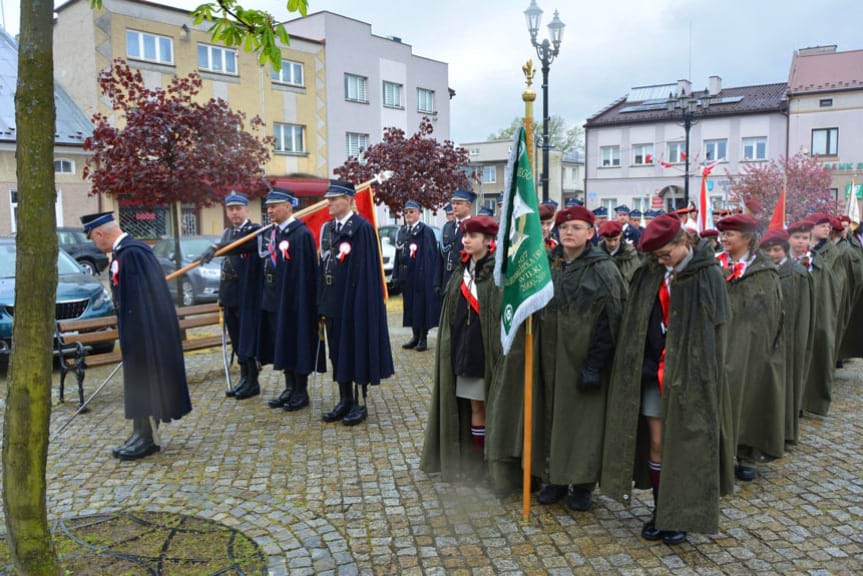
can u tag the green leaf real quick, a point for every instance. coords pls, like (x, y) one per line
(95, 4)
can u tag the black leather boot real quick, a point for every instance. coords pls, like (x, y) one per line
(551, 493)
(252, 387)
(343, 407)
(412, 343)
(422, 343)
(649, 530)
(579, 499)
(141, 443)
(358, 411)
(299, 398)
(244, 377)
(282, 399)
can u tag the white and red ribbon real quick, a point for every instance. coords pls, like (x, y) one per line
(283, 248)
(115, 273)
(413, 249)
(344, 250)
(468, 290)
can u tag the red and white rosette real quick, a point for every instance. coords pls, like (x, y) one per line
(115, 273)
(283, 248)
(413, 248)
(344, 250)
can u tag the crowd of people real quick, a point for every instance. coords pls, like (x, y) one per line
(670, 358)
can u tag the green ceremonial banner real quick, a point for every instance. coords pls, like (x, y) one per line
(521, 264)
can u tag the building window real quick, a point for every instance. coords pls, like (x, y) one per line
(355, 88)
(473, 152)
(425, 101)
(676, 152)
(825, 142)
(144, 46)
(716, 150)
(290, 138)
(642, 154)
(489, 174)
(356, 143)
(825, 102)
(392, 95)
(64, 166)
(609, 156)
(13, 209)
(217, 59)
(291, 73)
(755, 148)
(609, 204)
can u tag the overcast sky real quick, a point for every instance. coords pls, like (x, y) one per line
(608, 45)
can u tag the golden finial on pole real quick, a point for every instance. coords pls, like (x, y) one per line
(529, 96)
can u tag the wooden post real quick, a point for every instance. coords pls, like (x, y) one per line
(529, 96)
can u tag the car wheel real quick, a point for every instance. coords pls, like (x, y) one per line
(188, 293)
(89, 267)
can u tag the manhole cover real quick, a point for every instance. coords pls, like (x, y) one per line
(151, 544)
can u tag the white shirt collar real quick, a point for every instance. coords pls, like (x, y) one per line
(118, 240)
(284, 224)
(344, 220)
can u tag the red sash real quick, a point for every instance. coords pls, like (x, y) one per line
(665, 304)
(466, 285)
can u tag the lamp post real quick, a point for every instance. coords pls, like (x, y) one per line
(688, 105)
(546, 51)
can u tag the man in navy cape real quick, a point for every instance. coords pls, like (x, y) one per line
(289, 331)
(154, 373)
(240, 293)
(351, 302)
(414, 271)
(451, 246)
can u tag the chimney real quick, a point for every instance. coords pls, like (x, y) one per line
(714, 86)
(684, 88)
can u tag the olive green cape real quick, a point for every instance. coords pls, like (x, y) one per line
(798, 300)
(447, 447)
(627, 260)
(849, 264)
(818, 391)
(852, 343)
(697, 445)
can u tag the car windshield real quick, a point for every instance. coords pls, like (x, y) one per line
(192, 249)
(65, 264)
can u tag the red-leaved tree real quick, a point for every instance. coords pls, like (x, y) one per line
(171, 148)
(808, 186)
(424, 169)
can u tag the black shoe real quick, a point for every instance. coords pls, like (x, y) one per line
(299, 398)
(673, 538)
(282, 399)
(340, 411)
(244, 381)
(355, 416)
(138, 451)
(422, 344)
(745, 473)
(412, 343)
(579, 500)
(250, 391)
(231, 393)
(650, 532)
(141, 443)
(551, 493)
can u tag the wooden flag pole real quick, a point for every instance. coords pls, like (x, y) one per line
(382, 177)
(528, 96)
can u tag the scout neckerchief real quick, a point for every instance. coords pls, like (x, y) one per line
(805, 260)
(665, 305)
(736, 269)
(550, 243)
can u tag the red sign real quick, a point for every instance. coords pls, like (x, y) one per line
(145, 216)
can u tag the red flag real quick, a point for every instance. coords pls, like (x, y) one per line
(648, 159)
(318, 215)
(777, 221)
(665, 164)
(682, 155)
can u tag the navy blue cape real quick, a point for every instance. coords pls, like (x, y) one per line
(416, 263)
(247, 296)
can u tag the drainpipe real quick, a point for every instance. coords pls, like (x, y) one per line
(585, 166)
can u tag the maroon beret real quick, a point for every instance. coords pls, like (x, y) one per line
(546, 212)
(710, 233)
(739, 222)
(575, 213)
(481, 224)
(819, 218)
(610, 228)
(800, 226)
(845, 218)
(754, 206)
(836, 224)
(659, 232)
(775, 236)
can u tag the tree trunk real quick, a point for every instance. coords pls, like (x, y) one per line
(28, 405)
(178, 254)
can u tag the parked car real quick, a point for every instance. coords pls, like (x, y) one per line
(79, 294)
(76, 244)
(388, 234)
(202, 283)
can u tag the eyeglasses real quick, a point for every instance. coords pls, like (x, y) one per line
(664, 255)
(573, 228)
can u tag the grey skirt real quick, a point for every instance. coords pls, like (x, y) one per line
(470, 388)
(651, 400)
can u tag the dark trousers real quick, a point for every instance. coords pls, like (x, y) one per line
(333, 333)
(232, 321)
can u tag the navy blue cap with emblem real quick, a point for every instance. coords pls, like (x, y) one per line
(486, 212)
(413, 205)
(447, 208)
(236, 199)
(551, 203)
(92, 221)
(635, 214)
(622, 209)
(571, 202)
(279, 195)
(465, 195)
(340, 188)
(601, 211)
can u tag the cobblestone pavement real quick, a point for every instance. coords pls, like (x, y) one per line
(326, 498)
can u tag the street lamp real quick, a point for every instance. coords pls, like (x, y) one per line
(688, 105)
(546, 52)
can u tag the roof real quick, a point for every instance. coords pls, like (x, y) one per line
(732, 102)
(825, 71)
(72, 125)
